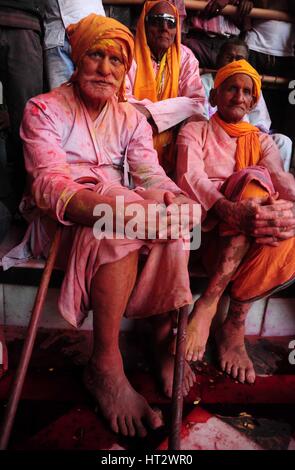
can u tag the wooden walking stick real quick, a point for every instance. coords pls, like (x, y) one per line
(32, 331)
(177, 392)
(29, 343)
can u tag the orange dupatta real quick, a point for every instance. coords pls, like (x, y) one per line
(248, 151)
(160, 87)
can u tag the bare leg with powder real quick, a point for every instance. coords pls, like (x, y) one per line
(233, 356)
(125, 409)
(232, 253)
(164, 359)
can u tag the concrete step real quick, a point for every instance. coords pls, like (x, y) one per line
(18, 286)
(268, 317)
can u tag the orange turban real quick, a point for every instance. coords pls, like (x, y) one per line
(145, 85)
(160, 86)
(239, 66)
(84, 35)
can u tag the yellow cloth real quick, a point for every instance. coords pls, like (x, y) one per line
(161, 87)
(87, 34)
(239, 66)
(248, 151)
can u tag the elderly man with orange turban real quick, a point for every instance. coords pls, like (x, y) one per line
(236, 173)
(84, 131)
(164, 80)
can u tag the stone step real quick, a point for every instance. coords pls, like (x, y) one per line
(18, 286)
(268, 317)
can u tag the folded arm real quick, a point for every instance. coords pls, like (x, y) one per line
(190, 101)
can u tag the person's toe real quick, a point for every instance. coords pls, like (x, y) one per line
(250, 375)
(154, 419)
(241, 374)
(140, 429)
(201, 354)
(130, 426)
(114, 424)
(228, 367)
(223, 365)
(122, 425)
(234, 371)
(189, 355)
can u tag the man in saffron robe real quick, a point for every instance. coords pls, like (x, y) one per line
(164, 81)
(236, 173)
(84, 129)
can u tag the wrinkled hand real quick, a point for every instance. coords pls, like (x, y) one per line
(214, 8)
(192, 208)
(152, 221)
(154, 194)
(275, 221)
(266, 219)
(239, 215)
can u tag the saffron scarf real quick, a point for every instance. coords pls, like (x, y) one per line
(160, 87)
(248, 151)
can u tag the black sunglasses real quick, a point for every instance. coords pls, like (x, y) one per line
(158, 20)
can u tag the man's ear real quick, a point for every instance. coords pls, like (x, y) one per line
(212, 97)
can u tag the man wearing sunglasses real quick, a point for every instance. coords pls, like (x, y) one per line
(164, 81)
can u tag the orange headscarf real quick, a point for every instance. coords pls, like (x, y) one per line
(91, 30)
(248, 151)
(239, 66)
(160, 87)
(145, 82)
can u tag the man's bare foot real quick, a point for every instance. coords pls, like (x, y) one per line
(165, 365)
(198, 328)
(163, 354)
(233, 356)
(122, 406)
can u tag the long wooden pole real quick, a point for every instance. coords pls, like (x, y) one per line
(28, 344)
(177, 393)
(266, 79)
(229, 10)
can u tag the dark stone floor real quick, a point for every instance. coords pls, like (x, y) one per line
(57, 413)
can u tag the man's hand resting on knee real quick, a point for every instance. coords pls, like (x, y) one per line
(267, 219)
